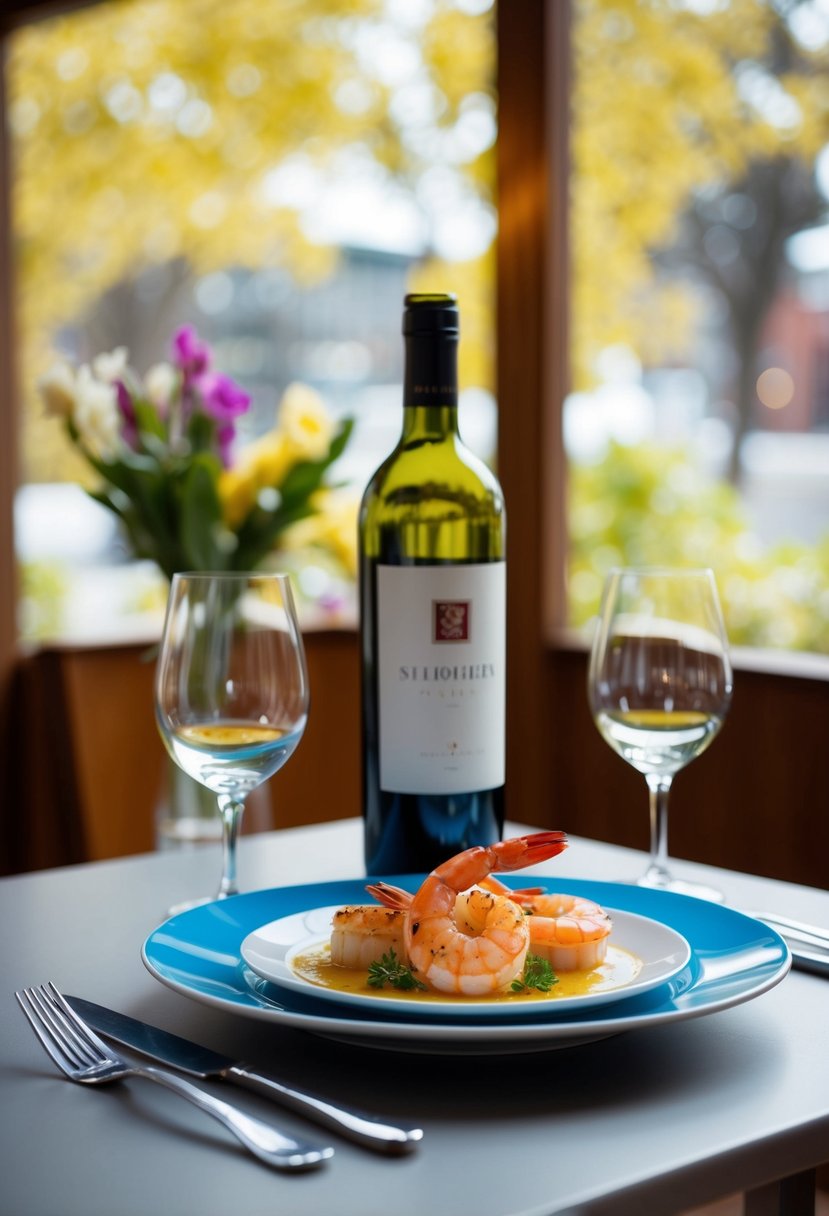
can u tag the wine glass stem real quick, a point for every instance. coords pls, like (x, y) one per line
(231, 811)
(658, 789)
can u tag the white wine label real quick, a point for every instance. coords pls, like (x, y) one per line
(441, 655)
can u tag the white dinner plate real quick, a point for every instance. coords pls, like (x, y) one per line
(642, 954)
(734, 959)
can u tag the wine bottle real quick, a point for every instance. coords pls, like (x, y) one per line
(432, 621)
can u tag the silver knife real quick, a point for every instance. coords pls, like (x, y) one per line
(368, 1130)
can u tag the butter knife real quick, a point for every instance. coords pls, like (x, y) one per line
(368, 1130)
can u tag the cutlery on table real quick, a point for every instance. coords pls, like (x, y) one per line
(83, 1057)
(370, 1131)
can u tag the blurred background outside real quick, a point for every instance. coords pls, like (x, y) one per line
(280, 172)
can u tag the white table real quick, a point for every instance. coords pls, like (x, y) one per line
(652, 1121)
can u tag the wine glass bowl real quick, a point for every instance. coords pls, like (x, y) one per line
(231, 690)
(660, 684)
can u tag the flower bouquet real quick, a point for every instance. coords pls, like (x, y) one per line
(163, 449)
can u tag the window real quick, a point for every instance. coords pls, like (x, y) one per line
(280, 188)
(531, 293)
(697, 426)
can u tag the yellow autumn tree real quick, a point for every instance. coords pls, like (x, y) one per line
(157, 133)
(673, 102)
(153, 132)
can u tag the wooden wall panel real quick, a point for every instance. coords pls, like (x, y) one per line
(322, 780)
(119, 757)
(93, 768)
(92, 772)
(757, 800)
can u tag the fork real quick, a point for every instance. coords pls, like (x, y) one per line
(83, 1057)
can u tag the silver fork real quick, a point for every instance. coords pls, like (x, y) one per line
(83, 1057)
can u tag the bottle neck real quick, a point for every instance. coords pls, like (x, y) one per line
(430, 384)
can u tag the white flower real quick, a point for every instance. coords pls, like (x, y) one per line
(160, 383)
(305, 420)
(57, 388)
(111, 366)
(96, 413)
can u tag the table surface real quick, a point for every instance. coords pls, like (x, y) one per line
(658, 1120)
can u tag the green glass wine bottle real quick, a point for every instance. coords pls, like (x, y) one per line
(432, 622)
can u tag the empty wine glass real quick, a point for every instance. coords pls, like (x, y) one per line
(660, 685)
(231, 689)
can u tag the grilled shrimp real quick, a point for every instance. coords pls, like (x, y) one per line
(486, 952)
(571, 933)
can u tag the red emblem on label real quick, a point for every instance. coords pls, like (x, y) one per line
(451, 620)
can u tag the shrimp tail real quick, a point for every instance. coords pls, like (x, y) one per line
(523, 851)
(389, 896)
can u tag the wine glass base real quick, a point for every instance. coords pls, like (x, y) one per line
(187, 904)
(681, 887)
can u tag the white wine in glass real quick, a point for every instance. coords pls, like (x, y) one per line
(660, 685)
(231, 690)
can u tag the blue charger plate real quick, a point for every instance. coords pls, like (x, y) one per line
(734, 958)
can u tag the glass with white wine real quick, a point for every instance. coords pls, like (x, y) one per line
(231, 690)
(660, 685)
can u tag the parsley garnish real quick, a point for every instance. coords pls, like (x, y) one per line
(537, 974)
(390, 970)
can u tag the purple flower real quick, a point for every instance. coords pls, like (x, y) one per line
(225, 435)
(221, 397)
(223, 400)
(189, 353)
(129, 419)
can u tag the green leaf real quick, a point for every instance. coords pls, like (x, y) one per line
(259, 532)
(136, 488)
(147, 419)
(389, 970)
(201, 515)
(307, 477)
(538, 974)
(201, 432)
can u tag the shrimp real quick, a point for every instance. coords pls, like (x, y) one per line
(570, 932)
(362, 933)
(486, 952)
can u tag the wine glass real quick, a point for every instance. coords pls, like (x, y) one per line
(659, 685)
(231, 688)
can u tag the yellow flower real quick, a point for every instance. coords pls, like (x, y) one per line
(237, 494)
(269, 458)
(306, 421)
(333, 527)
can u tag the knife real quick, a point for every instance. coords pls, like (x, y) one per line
(368, 1130)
